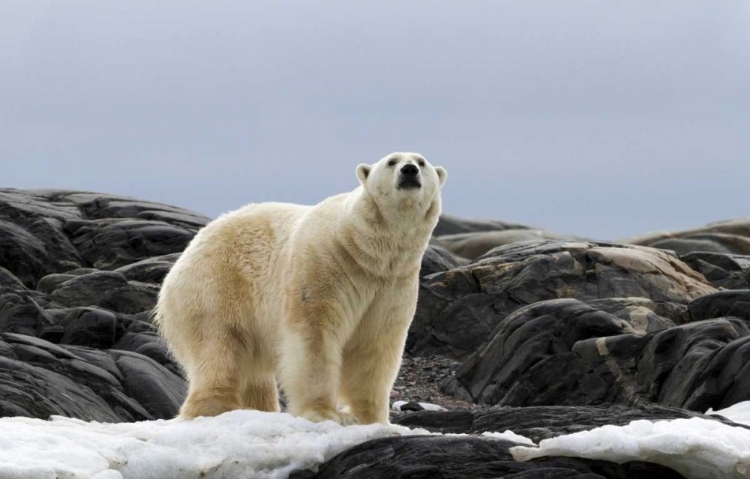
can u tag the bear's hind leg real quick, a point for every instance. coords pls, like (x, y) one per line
(260, 392)
(213, 381)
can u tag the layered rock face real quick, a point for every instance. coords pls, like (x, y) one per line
(79, 275)
(551, 334)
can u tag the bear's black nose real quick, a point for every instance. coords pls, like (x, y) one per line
(409, 170)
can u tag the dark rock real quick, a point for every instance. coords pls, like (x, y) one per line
(90, 327)
(51, 282)
(475, 244)
(734, 303)
(22, 314)
(108, 244)
(39, 379)
(100, 206)
(149, 344)
(457, 309)
(22, 254)
(7, 280)
(108, 290)
(151, 270)
(722, 270)
(412, 406)
(463, 457)
(32, 241)
(564, 352)
(542, 422)
(159, 391)
(643, 314)
(529, 360)
(437, 259)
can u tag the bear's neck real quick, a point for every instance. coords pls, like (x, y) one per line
(388, 245)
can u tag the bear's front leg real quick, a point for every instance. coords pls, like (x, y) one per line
(310, 365)
(371, 362)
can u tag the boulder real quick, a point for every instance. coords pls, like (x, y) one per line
(722, 270)
(459, 308)
(735, 303)
(437, 259)
(107, 289)
(150, 270)
(39, 379)
(565, 352)
(108, 244)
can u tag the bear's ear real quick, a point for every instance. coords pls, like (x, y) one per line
(442, 174)
(363, 171)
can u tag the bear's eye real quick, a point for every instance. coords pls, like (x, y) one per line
(421, 163)
(392, 162)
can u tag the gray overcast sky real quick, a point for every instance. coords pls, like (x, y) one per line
(604, 119)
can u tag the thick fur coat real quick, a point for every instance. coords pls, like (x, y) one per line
(319, 297)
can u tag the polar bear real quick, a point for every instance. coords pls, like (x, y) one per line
(320, 297)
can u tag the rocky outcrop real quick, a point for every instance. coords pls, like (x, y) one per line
(473, 245)
(449, 225)
(542, 422)
(459, 309)
(729, 237)
(722, 270)
(565, 352)
(79, 276)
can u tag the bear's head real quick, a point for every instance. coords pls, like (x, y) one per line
(402, 180)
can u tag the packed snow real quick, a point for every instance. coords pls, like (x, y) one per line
(237, 444)
(253, 444)
(697, 448)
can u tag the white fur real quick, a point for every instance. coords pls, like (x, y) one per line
(319, 296)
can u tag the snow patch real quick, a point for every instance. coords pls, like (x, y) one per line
(510, 436)
(739, 412)
(235, 444)
(427, 406)
(696, 448)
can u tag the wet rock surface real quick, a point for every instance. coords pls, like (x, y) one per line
(543, 335)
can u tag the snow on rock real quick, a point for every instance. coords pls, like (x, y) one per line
(697, 448)
(237, 444)
(427, 406)
(739, 412)
(510, 436)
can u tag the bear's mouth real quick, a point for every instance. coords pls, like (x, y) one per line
(406, 183)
